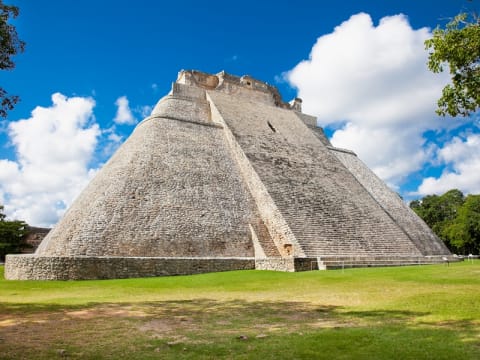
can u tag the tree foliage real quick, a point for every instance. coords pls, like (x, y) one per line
(454, 218)
(12, 235)
(458, 46)
(10, 45)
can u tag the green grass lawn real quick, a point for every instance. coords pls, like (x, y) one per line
(427, 312)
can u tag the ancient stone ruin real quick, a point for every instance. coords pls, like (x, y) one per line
(225, 175)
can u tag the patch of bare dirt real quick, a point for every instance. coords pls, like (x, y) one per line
(96, 312)
(168, 325)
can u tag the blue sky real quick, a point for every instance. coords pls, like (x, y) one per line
(93, 69)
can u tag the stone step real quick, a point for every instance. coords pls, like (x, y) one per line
(386, 258)
(342, 262)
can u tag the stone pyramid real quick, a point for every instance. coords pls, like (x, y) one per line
(224, 175)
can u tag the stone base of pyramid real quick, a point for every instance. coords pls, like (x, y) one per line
(33, 267)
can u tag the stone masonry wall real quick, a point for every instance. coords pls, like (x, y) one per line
(30, 267)
(33, 239)
(279, 231)
(325, 207)
(311, 122)
(275, 264)
(169, 191)
(422, 236)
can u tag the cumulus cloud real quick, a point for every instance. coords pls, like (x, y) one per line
(53, 147)
(58, 151)
(110, 141)
(462, 159)
(372, 85)
(144, 110)
(124, 114)
(391, 155)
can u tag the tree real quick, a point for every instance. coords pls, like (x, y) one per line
(464, 231)
(453, 218)
(12, 235)
(436, 210)
(10, 45)
(458, 46)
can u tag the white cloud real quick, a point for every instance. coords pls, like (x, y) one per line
(462, 157)
(54, 147)
(144, 111)
(110, 141)
(124, 114)
(390, 156)
(372, 84)
(55, 151)
(115, 138)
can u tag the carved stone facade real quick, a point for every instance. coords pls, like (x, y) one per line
(34, 238)
(225, 170)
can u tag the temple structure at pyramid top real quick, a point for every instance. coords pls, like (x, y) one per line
(225, 175)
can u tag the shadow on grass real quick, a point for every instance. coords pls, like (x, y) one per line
(298, 312)
(205, 328)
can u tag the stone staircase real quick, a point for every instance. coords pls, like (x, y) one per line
(266, 242)
(344, 262)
